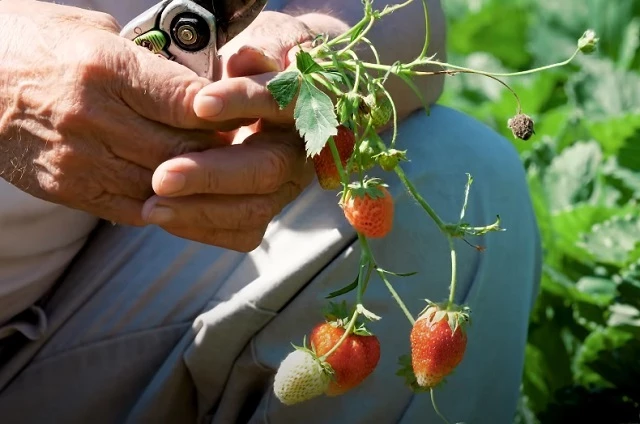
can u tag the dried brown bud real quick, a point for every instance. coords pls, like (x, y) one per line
(521, 126)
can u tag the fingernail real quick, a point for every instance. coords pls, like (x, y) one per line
(172, 182)
(161, 215)
(208, 106)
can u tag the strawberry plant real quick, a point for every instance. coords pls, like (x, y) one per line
(340, 105)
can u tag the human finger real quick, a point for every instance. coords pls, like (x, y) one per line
(259, 165)
(228, 212)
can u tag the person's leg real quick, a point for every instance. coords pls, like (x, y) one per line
(150, 328)
(499, 285)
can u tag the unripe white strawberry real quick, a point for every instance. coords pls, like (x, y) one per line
(301, 377)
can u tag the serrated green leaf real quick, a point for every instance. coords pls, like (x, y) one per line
(315, 117)
(284, 87)
(612, 241)
(306, 64)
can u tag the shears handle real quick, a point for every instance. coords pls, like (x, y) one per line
(180, 30)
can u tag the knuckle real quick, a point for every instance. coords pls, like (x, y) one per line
(213, 181)
(275, 168)
(106, 21)
(257, 213)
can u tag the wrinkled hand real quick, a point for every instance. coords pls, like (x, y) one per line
(86, 116)
(249, 61)
(229, 195)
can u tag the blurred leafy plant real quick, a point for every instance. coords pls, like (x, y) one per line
(583, 167)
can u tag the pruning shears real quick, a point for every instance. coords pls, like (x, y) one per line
(190, 32)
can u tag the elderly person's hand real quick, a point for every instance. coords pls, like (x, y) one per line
(86, 115)
(227, 196)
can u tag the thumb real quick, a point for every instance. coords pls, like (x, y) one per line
(162, 90)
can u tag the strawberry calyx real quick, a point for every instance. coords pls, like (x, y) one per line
(457, 316)
(370, 187)
(337, 315)
(388, 160)
(324, 365)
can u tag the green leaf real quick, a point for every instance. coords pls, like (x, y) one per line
(344, 290)
(623, 315)
(612, 241)
(629, 285)
(602, 289)
(397, 274)
(478, 31)
(609, 359)
(333, 76)
(602, 90)
(570, 177)
(284, 87)
(315, 117)
(614, 132)
(306, 64)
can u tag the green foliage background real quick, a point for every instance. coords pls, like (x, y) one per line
(583, 165)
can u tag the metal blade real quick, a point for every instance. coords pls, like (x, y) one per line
(232, 16)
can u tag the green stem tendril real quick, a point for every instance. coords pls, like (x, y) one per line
(366, 261)
(343, 174)
(328, 85)
(435, 408)
(356, 40)
(425, 47)
(439, 222)
(507, 74)
(366, 249)
(373, 49)
(396, 297)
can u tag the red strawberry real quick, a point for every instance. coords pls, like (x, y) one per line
(324, 164)
(438, 343)
(352, 362)
(369, 208)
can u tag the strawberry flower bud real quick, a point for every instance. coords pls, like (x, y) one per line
(587, 43)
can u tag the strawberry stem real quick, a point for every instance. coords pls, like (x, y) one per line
(348, 330)
(364, 243)
(454, 267)
(432, 213)
(338, 162)
(397, 298)
(435, 408)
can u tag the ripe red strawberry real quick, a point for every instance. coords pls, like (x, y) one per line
(324, 164)
(301, 376)
(438, 343)
(353, 361)
(369, 208)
